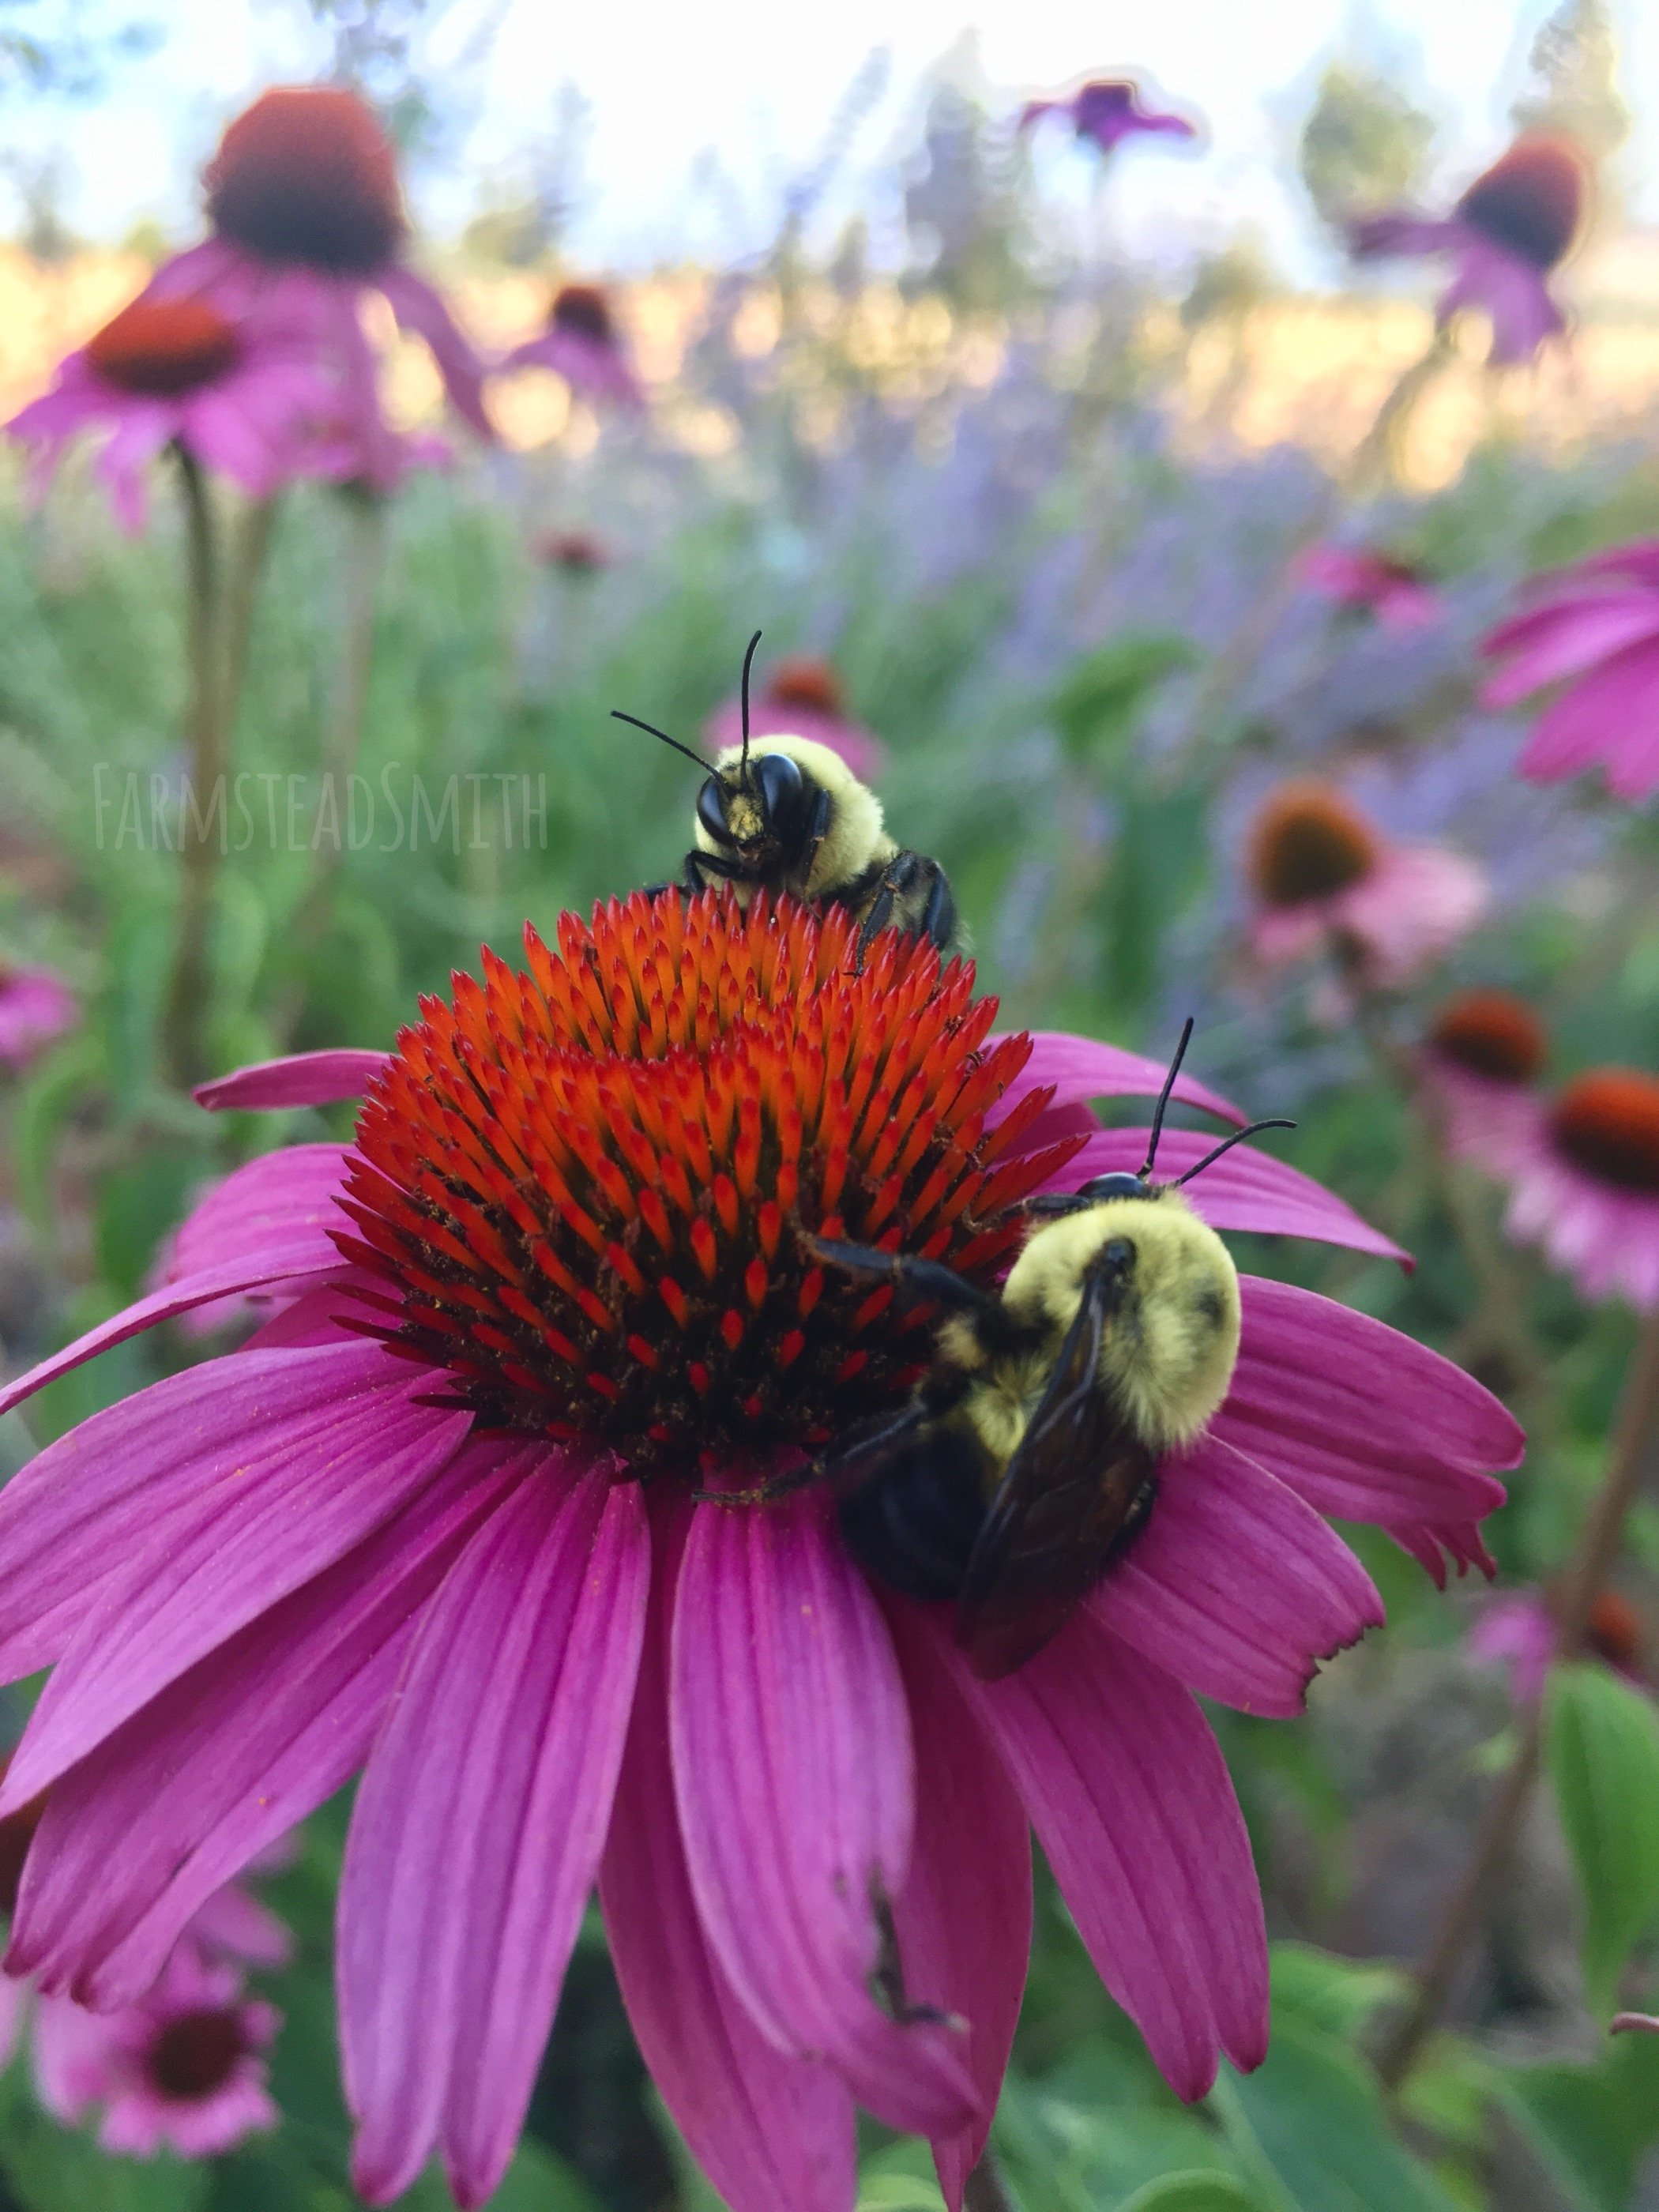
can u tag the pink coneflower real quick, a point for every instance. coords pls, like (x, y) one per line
(582, 345)
(308, 222)
(1594, 629)
(241, 396)
(1512, 226)
(1106, 111)
(1325, 879)
(1520, 1630)
(1583, 1175)
(36, 1005)
(1370, 583)
(578, 553)
(1484, 1052)
(801, 698)
(439, 1521)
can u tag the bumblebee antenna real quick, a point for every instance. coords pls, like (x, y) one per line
(748, 663)
(1163, 1097)
(1227, 1145)
(651, 730)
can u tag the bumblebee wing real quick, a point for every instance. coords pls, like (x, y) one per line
(1075, 1487)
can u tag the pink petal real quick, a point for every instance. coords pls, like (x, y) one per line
(1081, 1068)
(1612, 716)
(292, 1262)
(794, 1773)
(769, 2131)
(235, 1922)
(1133, 1803)
(306, 1078)
(420, 307)
(1244, 1190)
(281, 1198)
(1565, 640)
(478, 1828)
(72, 1522)
(196, 1786)
(1235, 1586)
(1359, 1420)
(964, 1917)
(281, 1512)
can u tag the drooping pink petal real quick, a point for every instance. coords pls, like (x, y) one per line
(292, 1263)
(236, 1923)
(1131, 1802)
(1363, 1422)
(1610, 716)
(305, 1079)
(1566, 638)
(1236, 1587)
(793, 1773)
(304, 1495)
(281, 1198)
(419, 307)
(768, 2129)
(1512, 290)
(478, 1828)
(1081, 1068)
(73, 1520)
(1245, 1189)
(201, 1781)
(964, 1916)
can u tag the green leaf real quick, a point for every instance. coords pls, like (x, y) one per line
(539, 2181)
(51, 2168)
(1590, 2126)
(1192, 2192)
(1324, 1991)
(1313, 2116)
(1097, 705)
(1602, 1744)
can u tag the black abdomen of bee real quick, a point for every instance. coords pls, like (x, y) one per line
(914, 1527)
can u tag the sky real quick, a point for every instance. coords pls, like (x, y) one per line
(697, 120)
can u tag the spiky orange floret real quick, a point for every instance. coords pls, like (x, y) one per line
(163, 347)
(1308, 842)
(582, 1186)
(1491, 1033)
(1607, 1123)
(308, 174)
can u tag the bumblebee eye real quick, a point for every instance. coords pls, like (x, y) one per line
(1119, 1185)
(782, 789)
(711, 810)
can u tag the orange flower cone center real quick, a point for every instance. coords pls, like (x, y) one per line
(1531, 201)
(1492, 1034)
(581, 1186)
(163, 347)
(1308, 843)
(1615, 1629)
(1607, 1124)
(583, 310)
(196, 2053)
(308, 174)
(811, 685)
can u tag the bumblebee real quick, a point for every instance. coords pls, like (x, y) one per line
(784, 814)
(1028, 1458)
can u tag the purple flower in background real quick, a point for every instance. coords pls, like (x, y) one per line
(308, 223)
(240, 396)
(1393, 592)
(1519, 1630)
(1483, 1053)
(1107, 110)
(801, 698)
(438, 1562)
(1594, 629)
(1583, 1169)
(36, 1005)
(1512, 226)
(581, 344)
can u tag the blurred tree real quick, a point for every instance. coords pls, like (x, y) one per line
(1575, 68)
(1364, 142)
(71, 54)
(966, 203)
(522, 228)
(384, 48)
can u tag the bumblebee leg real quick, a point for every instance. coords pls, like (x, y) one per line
(920, 1279)
(887, 1975)
(851, 1461)
(817, 829)
(939, 919)
(897, 876)
(700, 865)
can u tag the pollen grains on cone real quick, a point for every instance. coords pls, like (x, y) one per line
(1491, 1034)
(1607, 1122)
(1307, 843)
(308, 174)
(578, 1188)
(162, 348)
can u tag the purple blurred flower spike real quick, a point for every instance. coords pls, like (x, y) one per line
(1107, 110)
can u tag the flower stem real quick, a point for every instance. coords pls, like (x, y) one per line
(986, 2190)
(247, 564)
(1598, 1549)
(1376, 455)
(184, 1018)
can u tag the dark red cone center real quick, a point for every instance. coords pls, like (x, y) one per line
(163, 347)
(196, 2053)
(1614, 1629)
(1308, 843)
(1530, 202)
(811, 685)
(1491, 1034)
(582, 1187)
(308, 174)
(584, 310)
(1607, 1124)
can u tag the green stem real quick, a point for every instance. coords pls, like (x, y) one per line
(1376, 457)
(184, 1019)
(247, 564)
(1598, 1550)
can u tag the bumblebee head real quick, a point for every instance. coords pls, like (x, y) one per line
(759, 804)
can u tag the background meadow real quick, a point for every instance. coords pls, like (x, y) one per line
(1040, 492)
